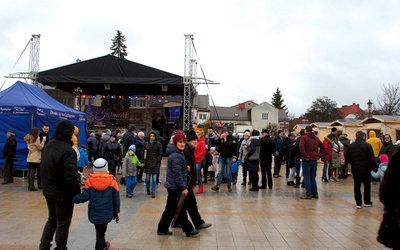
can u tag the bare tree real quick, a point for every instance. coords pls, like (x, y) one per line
(388, 103)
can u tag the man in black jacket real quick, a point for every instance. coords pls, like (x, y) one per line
(361, 157)
(266, 151)
(227, 148)
(61, 182)
(9, 151)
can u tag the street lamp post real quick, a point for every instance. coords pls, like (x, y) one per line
(77, 92)
(369, 103)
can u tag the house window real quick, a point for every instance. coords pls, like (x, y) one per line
(203, 116)
(264, 116)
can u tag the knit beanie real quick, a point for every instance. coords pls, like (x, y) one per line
(178, 137)
(383, 158)
(132, 147)
(100, 165)
(191, 135)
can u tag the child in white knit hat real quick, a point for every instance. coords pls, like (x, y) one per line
(102, 192)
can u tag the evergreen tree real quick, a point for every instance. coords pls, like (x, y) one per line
(277, 100)
(118, 47)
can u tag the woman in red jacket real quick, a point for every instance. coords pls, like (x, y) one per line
(328, 149)
(199, 153)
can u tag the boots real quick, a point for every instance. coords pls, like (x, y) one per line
(201, 190)
(212, 176)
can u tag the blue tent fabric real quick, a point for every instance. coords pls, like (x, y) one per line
(24, 106)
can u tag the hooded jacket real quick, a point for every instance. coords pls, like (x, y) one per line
(375, 143)
(34, 148)
(388, 148)
(252, 165)
(311, 148)
(59, 172)
(153, 155)
(102, 192)
(75, 136)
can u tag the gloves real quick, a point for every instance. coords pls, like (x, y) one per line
(116, 217)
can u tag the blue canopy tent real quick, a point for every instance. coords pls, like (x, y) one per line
(24, 106)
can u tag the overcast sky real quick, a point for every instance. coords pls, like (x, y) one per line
(345, 50)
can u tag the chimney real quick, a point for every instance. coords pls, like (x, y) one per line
(242, 105)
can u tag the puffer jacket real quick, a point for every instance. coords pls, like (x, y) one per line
(130, 164)
(176, 169)
(102, 192)
(252, 165)
(153, 155)
(34, 148)
(361, 157)
(59, 172)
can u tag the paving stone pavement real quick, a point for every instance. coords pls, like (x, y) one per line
(242, 219)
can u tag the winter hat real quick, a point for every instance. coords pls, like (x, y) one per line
(383, 158)
(224, 129)
(131, 127)
(178, 137)
(255, 132)
(132, 147)
(246, 134)
(100, 165)
(191, 135)
(113, 135)
(11, 132)
(234, 157)
(333, 129)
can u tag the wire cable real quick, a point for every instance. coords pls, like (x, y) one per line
(17, 61)
(205, 79)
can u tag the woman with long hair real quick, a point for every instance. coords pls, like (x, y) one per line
(34, 155)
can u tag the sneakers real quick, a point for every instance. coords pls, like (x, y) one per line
(204, 225)
(358, 206)
(331, 179)
(215, 188)
(368, 204)
(305, 197)
(229, 189)
(153, 195)
(148, 192)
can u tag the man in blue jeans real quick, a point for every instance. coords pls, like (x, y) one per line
(227, 145)
(311, 149)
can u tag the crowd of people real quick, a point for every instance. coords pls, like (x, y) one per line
(195, 157)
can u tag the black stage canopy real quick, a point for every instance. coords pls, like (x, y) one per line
(109, 74)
